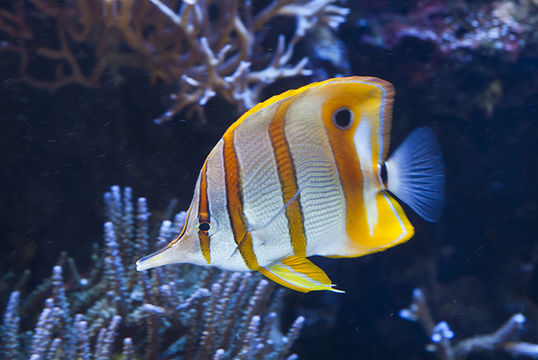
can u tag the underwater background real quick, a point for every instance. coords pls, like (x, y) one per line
(85, 105)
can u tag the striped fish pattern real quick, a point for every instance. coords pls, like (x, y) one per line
(305, 173)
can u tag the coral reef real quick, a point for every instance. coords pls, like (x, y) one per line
(476, 48)
(441, 336)
(500, 28)
(206, 47)
(478, 266)
(177, 311)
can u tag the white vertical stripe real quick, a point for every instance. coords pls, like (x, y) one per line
(381, 125)
(262, 193)
(369, 171)
(221, 244)
(361, 138)
(322, 198)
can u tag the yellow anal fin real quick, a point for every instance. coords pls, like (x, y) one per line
(299, 274)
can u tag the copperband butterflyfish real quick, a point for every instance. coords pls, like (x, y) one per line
(306, 173)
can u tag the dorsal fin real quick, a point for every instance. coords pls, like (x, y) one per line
(284, 95)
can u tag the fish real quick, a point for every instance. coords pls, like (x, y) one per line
(306, 173)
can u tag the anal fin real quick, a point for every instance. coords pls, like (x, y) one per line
(299, 274)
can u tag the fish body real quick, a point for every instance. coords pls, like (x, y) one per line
(305, 173)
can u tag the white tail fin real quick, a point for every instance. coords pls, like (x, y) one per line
(415, 174)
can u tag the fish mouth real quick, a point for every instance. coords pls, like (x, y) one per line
(162, 257)
(166, 255)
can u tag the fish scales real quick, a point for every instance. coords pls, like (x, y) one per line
(314, 165)
(261, 187)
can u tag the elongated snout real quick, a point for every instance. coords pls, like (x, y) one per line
(165, 256)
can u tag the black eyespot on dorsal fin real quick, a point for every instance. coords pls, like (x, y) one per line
(343, 118)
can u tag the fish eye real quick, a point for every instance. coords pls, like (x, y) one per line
(343, 118)
(209, 227)
(205, 226)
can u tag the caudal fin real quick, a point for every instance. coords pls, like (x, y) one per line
(415, 174)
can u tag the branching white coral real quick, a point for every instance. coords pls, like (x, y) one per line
(441, 335)
(207, 47)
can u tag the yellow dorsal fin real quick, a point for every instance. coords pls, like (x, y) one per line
(299, 274)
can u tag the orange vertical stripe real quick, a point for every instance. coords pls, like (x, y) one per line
(358, 97)
(349, 171)
(288, 179)
(203, 213)
(234, 197)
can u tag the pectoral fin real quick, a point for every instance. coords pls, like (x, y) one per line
(298, 274)
(261, 232)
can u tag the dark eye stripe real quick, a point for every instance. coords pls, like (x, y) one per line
(203, 214)
(204, 226)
